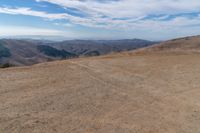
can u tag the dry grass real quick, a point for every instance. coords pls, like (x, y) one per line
(122, 93)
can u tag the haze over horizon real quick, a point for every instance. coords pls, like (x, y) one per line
(99, 19)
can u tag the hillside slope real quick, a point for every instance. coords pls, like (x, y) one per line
(180, 45)
(101, 47)
(29, 52)
(118, 93)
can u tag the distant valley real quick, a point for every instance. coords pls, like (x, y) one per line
(22, 52)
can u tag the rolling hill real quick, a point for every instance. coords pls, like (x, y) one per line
(4, 52)
(180, 45)
(152, 90)
(83, 47)
(29, 52)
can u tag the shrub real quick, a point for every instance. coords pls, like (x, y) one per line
(6, 65)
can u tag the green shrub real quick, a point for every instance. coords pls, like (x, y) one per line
(6, 65)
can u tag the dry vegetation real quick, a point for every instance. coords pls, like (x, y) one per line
(119, 93)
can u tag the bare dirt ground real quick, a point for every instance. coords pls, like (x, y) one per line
(122, 93)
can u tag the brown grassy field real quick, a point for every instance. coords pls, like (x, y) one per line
(120, 93)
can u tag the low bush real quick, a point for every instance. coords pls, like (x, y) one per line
(6, 65)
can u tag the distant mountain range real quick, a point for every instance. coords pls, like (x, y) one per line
(21, 52)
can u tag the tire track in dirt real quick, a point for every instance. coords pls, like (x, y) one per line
(94, 74)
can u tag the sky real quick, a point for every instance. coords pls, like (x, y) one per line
(99, 19)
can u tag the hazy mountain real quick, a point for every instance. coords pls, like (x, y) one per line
(4, 51)
(53, 52)
(100, 47)
(27, 51)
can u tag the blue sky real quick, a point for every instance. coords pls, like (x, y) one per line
(99, 19)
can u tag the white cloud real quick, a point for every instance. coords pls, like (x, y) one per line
(125, 15)
(28, 11)
(129, 8)
(28, 31)
(52, 16)
(134, 10)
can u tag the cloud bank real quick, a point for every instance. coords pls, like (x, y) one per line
(153, 15)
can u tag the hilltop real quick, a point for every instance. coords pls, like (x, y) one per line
(179, 45)
(135, 91)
